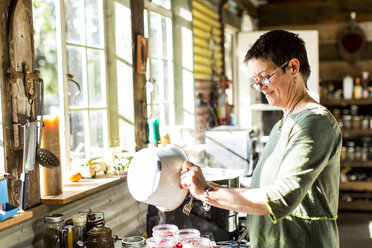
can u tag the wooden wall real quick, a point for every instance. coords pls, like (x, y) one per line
(124, 215)
(329, 17)
(13, 156)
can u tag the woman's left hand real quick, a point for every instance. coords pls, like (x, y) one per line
(192, 178)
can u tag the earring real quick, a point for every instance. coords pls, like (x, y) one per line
(295, 79)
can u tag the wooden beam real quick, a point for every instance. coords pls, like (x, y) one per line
(249, 7)
(139, 80)
(313, 12)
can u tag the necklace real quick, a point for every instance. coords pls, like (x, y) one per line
(282, 119)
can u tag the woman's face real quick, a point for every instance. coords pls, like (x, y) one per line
(278, 92)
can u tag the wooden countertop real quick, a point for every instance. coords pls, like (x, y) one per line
(74, 191)
(71, 192)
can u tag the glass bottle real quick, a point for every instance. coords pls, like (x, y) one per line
(365, 84)
(357, 89)
(52, 235)
(68, 239)
(347, 87)
(79, 221)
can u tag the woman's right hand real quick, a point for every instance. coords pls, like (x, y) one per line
(192, 178)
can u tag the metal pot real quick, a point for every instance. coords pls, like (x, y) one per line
(221, 223)
(154, 177)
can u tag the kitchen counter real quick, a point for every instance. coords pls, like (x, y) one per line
(76, 190)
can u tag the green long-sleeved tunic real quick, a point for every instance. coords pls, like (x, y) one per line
(299, 169)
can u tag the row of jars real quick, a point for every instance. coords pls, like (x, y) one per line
(350, 119)
(349, 174)
(350, 152)
(169, 236)
(85, 230)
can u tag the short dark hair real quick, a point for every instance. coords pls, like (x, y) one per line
(281, 46)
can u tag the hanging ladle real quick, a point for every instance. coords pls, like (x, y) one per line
(44, 157)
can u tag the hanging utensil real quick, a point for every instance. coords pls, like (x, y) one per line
(44, 157)
(29, 149)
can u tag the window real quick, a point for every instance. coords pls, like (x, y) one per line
(160, 94)
(170, 87)
(87, 72)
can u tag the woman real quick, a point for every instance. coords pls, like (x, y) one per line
(293, 197)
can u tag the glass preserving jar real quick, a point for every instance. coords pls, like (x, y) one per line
(133, 242)
(164, 230)
(155, 242)
(52, 236)
(200, 242)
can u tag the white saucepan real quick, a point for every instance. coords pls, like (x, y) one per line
(154, 177)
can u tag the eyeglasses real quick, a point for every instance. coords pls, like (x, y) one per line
(265, 80)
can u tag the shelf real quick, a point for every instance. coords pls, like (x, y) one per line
(348, 133)
(346, 102)
(356, 163)
(356, 186)
(355, 205)
(77, 190)
(18, 218)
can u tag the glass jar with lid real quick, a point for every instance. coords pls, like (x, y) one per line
(356, 122)
(347, 121)
(350, 154)
(53, 225)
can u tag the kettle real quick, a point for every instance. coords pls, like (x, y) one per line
(154, 176)
(100, 237)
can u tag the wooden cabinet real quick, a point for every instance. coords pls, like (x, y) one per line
(356, 174)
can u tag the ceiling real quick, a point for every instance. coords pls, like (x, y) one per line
(302, 12)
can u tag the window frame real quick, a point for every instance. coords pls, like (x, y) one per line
(112, 135)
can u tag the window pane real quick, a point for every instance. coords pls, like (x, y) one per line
(123, 39)
(46, 53)
(125, 105)
(156, 34)
(96, 78)
(75, 21)
(156, 112)
(167, 114)
(168, 48)
(76, 58)
(163, 3)
(94, 23)
(168, 88)
(77, 131)
(96, 127)
(187, 47)
(157, 75)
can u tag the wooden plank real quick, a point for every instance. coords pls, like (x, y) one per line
(355, 205)
(330, 52)
(12, 157)
(349, 133)
(336, 70)
(356, 163)
(305, 12)
(77, 190)
(356, 186)
(139, 80)
(346, 102)
(16, 219)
